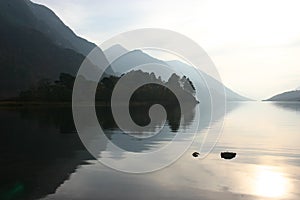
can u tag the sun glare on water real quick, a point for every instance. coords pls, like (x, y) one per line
(270, 183)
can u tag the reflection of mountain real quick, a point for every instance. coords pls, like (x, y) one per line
(292, 106)
(35, 44)
(132, 59)
(38, 151)
(286, 96)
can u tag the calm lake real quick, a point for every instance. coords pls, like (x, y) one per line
(42, 156)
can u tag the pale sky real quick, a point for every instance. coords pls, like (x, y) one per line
(255, 44)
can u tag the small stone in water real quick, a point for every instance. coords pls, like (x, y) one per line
(228, 155)
(196, 154)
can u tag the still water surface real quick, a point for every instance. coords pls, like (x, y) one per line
(42, 157)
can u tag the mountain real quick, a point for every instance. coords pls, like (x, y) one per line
(49, 24)
(190, 72)
(42, 19)
(129, 60)
(35, 45)
(115, 50)
(135, 58)
(286, 96)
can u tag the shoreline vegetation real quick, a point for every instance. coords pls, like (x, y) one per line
(59, 93)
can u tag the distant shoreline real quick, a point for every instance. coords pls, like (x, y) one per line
(285, 101)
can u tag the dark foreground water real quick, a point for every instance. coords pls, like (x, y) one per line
(41, 157)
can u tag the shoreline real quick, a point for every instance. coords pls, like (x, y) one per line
(40, 103)
(7, 103)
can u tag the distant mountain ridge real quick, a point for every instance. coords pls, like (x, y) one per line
(286, 96)
(230, 94)
(134, 58)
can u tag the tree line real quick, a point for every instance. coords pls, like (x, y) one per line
(61, 90)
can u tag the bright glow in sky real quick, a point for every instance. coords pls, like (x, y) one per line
(255, 44)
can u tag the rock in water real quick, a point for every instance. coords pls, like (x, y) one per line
(196, 154)
(228, 155)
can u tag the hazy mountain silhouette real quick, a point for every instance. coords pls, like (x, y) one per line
(128, 60)
(286, 96)
(35, 45)
(114, 50)
(185, 69)
(131, 59)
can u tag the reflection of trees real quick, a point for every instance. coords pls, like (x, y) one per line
(43, 149)
(140, 115)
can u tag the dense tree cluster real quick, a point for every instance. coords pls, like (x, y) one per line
(156, 92)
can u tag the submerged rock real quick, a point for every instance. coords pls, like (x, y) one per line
(228, 155)
(196, 154)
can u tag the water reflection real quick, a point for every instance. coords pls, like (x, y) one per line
(39, 151)
(39, 147)
(270, 183)
(153, 137)
(292, 106)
